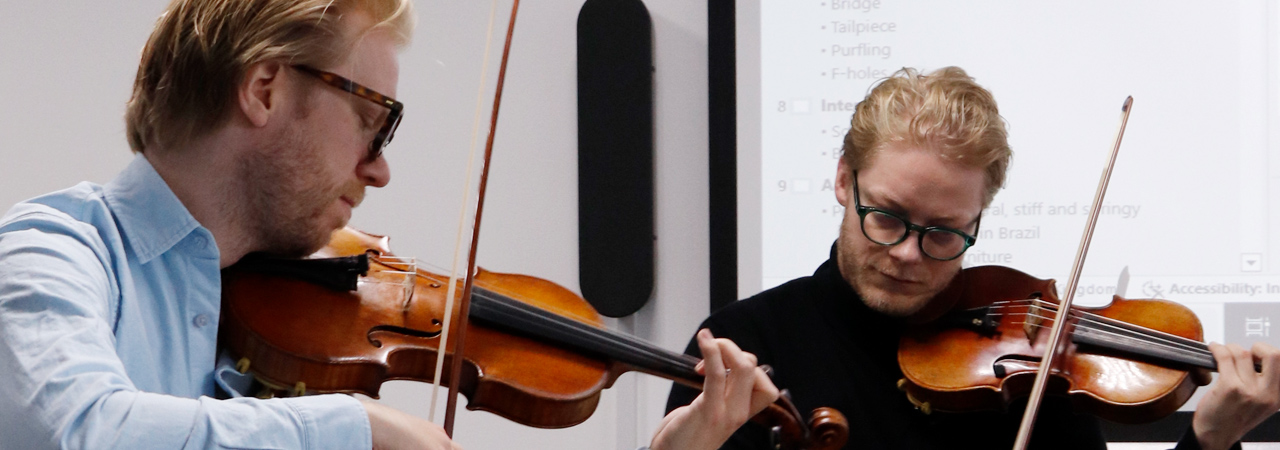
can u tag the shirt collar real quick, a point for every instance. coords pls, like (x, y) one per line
(151, 217)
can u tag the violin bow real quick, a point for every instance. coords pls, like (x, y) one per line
(464, 308)
(1055, 337)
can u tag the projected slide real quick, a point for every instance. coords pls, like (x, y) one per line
(1193, 212)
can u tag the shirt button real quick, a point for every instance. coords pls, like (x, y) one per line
(201, 320)
(201, 242)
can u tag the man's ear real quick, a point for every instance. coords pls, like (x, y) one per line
(261, 91)
(844, 182)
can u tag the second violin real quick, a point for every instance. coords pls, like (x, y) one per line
(1130, 362)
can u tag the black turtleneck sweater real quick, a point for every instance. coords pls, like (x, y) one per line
(829, 349)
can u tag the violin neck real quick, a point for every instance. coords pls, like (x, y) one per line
(500, 311)
(1131, 340)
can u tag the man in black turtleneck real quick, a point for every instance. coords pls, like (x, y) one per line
(924, 155)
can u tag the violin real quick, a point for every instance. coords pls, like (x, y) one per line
(1131, 361)
(355, 315)
(996, 334)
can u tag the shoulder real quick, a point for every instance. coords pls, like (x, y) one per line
(67, 235)
(79, 213)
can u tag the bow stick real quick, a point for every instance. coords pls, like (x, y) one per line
(1055, 337)
(455, 367)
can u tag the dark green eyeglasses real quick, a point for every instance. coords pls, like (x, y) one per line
(888, 228)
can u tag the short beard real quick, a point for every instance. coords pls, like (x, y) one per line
(887, 307)
(857, 272)
(882, 305)
(285, 201)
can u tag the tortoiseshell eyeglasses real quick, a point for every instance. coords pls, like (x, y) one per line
(388, 130)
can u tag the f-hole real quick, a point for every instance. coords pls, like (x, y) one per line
(398, 330)
(1014, 363)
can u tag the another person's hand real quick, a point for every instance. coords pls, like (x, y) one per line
(1242, 398)
(393, 429)
(734, 390)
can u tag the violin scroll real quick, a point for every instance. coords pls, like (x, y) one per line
(826, 429)
(829, 427)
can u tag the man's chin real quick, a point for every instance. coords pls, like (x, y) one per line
(892, 303)
(321, 240)
(300, 245)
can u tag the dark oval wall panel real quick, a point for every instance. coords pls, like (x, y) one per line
(615, 155)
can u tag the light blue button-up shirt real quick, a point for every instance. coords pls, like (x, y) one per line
(109, 304)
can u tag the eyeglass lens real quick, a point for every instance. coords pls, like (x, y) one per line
(886, 229)
(385, 135)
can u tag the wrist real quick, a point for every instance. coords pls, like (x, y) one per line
(684, 430)
(1210, 440)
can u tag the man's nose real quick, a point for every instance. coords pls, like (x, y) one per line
(376, 173)
(908, 249)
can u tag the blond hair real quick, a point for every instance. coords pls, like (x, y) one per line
(944, 111)
(201, 49)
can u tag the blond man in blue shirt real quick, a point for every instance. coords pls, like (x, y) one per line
(251, 136)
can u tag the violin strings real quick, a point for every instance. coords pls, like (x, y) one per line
(1156, 350)
(1135, 337)
(1105, 324)
(1155, 334)
(1174, 344)
(505, 296)
(614, 341)
(1146, 333)
(1128, 334)
(1125, 333)
(634, 343)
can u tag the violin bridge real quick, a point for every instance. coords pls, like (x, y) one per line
(406, 268)
(1034, 321)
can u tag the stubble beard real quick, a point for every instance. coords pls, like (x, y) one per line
(858, 268)
(287, 196)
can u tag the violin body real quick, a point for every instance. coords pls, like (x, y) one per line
(983, 352)
(349, 342)
(535, 353)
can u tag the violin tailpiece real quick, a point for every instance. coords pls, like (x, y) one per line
(979, 319)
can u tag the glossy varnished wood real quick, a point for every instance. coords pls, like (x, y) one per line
(353, 341)
(296, 334)
(953, 368)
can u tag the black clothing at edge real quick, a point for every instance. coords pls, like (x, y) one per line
(829, 349)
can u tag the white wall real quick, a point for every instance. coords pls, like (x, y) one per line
(67, 68)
